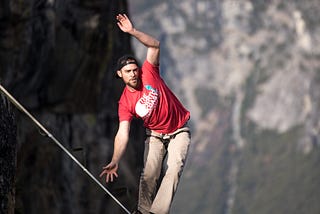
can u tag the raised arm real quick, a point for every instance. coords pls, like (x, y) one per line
(151, 43)
(120, 145)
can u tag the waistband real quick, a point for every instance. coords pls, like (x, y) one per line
(184, 128)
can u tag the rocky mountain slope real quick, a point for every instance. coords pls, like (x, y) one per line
(249, 73)
(247, 70)
(58, 59)
(8, 149)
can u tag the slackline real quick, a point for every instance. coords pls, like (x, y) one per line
(48, 134)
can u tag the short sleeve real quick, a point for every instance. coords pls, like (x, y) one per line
(124, 113)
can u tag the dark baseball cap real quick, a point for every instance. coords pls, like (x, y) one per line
(125, 60)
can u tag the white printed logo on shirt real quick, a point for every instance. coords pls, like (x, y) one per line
(147, 102)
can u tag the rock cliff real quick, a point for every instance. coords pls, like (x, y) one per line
(247, 70)
(58, 59)
(8, 149)
(249, 73)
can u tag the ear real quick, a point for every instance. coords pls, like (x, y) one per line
(119, 73)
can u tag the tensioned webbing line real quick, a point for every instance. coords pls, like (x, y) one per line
(47, 133)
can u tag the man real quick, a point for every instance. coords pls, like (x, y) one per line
(146, 96)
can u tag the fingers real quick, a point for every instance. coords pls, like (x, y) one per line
(121, 17)
(103, 173)
(120, 21)
(109, 177)
(110, 171)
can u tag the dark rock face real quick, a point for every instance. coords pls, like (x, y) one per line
(58, 53)
(58, 59)
(8, 146)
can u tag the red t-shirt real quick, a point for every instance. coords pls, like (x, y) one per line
(154, 102)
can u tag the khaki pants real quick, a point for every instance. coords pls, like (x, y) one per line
(156, 196)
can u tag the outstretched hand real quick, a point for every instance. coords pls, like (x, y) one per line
(110, 171)
(124, 23)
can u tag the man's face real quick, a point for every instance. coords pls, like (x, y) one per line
(130, 76)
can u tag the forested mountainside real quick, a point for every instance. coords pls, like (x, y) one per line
(249, 72)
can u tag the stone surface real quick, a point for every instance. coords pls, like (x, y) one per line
(58, 59)
(8, 149)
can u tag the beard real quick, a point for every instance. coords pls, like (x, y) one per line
(134, 83)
